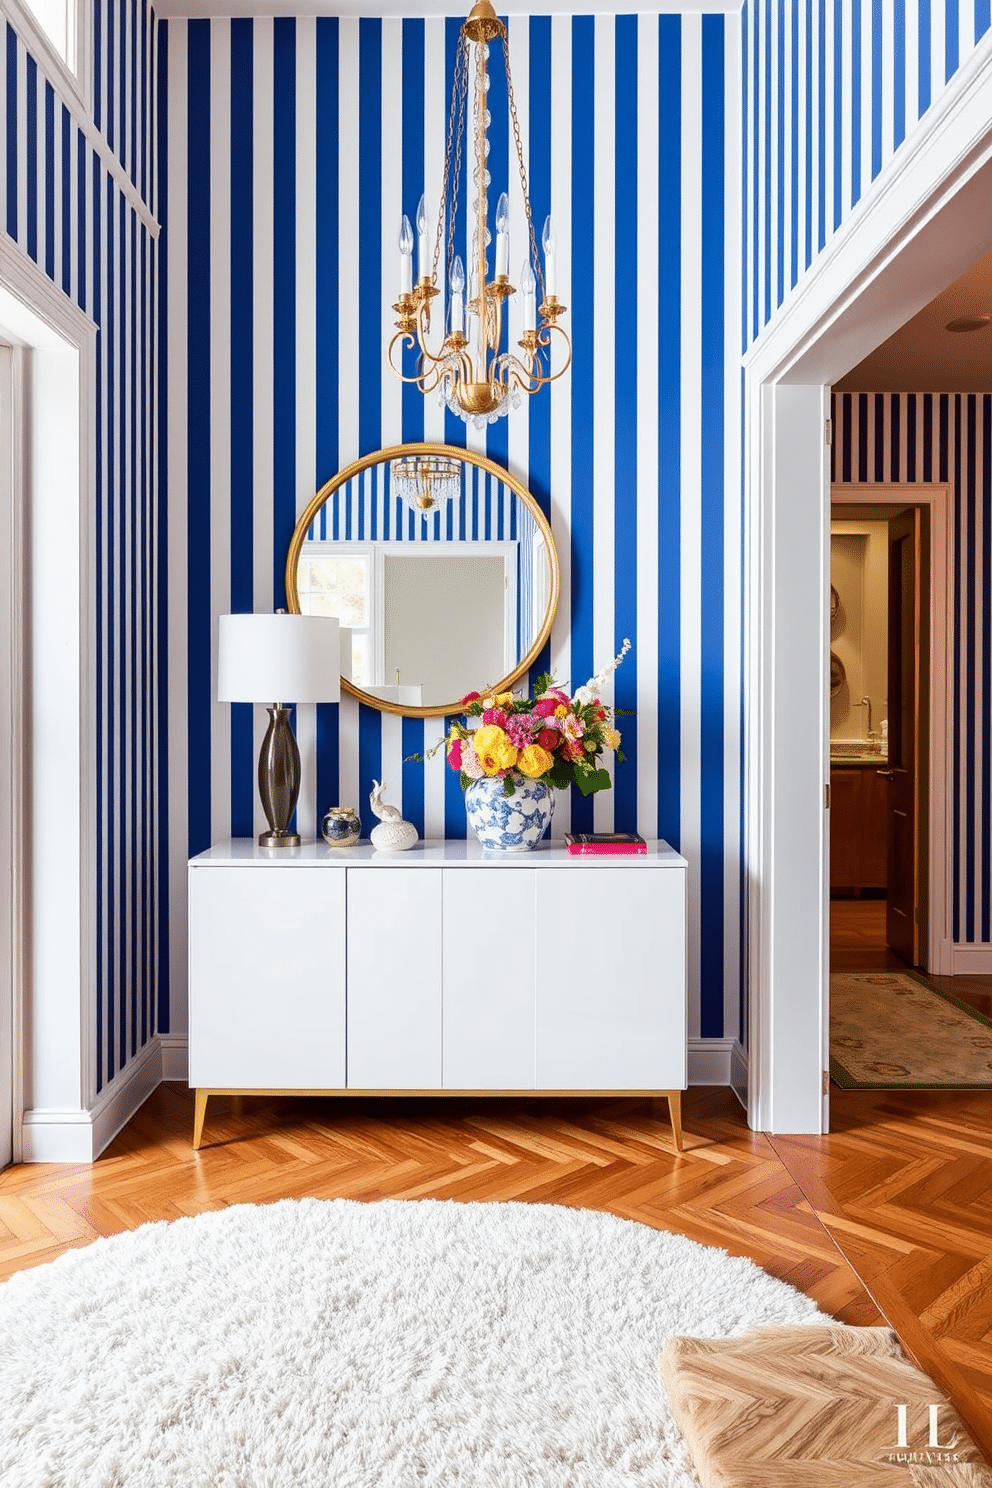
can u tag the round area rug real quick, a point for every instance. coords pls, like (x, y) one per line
(318, 1344)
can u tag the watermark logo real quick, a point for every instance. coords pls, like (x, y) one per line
(935, 1451)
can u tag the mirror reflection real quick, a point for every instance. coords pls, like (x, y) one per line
(440, 573)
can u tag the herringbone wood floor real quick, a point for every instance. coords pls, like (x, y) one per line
(889, 1217)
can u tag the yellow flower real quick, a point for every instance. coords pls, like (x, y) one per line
(489, 701)
(504, 698)
(494, 749)
(611, 738)
(561, 711)
(534, 761)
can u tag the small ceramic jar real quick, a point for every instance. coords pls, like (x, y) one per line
(341, 826)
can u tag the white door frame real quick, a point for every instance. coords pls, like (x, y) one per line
(936, 497)
(918, 227)
(55, 863)
(11, 783)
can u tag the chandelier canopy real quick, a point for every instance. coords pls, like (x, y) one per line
(469, 367)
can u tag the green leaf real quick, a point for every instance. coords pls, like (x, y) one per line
(560, 775)
(590, 781)
(508, 786)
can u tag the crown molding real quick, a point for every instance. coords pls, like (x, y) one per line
(199, 9)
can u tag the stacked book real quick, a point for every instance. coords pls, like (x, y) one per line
(605, 844)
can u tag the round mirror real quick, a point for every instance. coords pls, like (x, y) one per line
(440, 569)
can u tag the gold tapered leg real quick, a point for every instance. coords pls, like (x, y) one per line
(675, 1113)
(199, 1112)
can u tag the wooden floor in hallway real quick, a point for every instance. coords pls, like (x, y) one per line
(887, 1219)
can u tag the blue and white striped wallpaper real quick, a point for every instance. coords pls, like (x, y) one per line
(293, 148)
(946, 437)
(831, 90)
(66, 206)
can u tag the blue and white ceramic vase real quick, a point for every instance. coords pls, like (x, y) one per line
(509, 823)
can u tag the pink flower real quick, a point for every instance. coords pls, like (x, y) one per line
(470, 697)
(520, 728)
(545, 706)
(549, 739)
(495, 716)
(571, 727)
(455, 754)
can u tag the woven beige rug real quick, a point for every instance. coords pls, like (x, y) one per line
(815, 1407)
(893, 1030)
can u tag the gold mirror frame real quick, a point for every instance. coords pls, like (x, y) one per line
(467, 457)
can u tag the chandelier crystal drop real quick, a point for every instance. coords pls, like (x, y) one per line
(465, 361)
(426, 482)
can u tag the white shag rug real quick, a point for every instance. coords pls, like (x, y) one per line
(317, 1344)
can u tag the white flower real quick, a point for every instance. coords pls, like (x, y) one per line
(583, 696)
(596, 684)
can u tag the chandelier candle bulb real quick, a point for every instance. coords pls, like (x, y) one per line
(423, 246)
(550, 244)
(528, 285)
(406, 256)
(458, 297)
(503, 237)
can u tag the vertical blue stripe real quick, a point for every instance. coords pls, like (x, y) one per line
(144, 690)
(794, 152)
(129, 222)
(101, 603)
(583, 368)
(983, 20)
(454, 427)
(952, 38)
(242, 438)
(161, 414)
(712, 578)
(780, 158)
(669, 633)
(411, 141)
(81, 221)
(808, 241)
(110, 122)
(846, 433)
(746, 210)
(856, 86)
(50, 181)
(768, 163)
(497, 434)
(198, 609)
(879, 401)
(821, 69)
(369, 761)
(414, 730)
(911, 473)
(455, 824)
(31, 148)
(111, 592)
(66, 201)
(283, 300)
(98, 64)
(839, 121)
(925, 60)
(899, 71)
(756, 167)
(876, 87)
(944, 474)
(145, 99)
(626, 321)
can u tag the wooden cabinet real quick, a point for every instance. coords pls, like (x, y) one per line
(858, 827)
(438, 970)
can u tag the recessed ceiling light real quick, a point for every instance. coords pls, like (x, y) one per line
(968, 323)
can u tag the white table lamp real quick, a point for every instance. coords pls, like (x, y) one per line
(264, 657)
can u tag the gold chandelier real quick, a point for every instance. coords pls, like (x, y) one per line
(468, 369)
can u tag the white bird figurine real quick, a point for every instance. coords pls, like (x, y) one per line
(393, 834)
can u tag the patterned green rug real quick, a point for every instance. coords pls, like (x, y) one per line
(893, 1030)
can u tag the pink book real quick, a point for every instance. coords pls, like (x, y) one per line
(605, 844)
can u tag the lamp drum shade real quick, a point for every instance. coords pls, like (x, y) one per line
(278, 658)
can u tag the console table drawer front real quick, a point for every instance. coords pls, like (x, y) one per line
(489, 979)
(394, 979)
(610, 1011)
(267, 978)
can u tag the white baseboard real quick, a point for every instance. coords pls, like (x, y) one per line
(79, 1136)
(714, 1061)
(175, 1056)
(972, 960)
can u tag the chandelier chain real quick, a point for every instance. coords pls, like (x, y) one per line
(459, 95)
(523, 169)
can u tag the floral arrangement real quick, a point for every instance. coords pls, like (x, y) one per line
(550, 737)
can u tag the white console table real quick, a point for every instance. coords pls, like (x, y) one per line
(444, 970)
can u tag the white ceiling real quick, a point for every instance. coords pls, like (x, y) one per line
(923, 357)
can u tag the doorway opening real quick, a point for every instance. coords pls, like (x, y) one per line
(880, 726)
